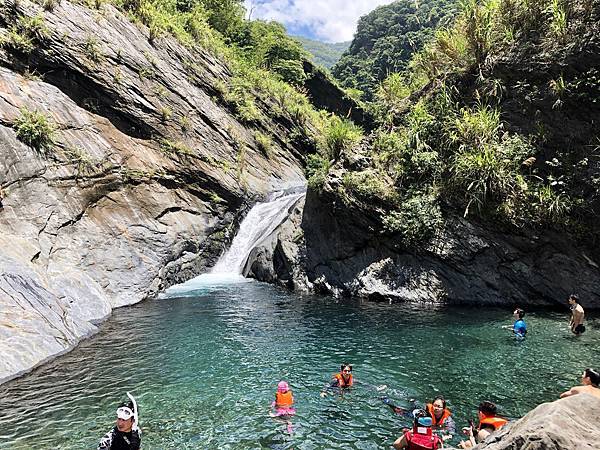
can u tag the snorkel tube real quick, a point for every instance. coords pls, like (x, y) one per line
(136, 418)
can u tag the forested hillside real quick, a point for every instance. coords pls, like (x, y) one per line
(324, 53)
(495, 117)
(386, 39)
(482, 181)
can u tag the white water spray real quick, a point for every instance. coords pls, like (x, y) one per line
(260, 222)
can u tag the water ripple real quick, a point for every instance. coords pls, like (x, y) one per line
(204, 366)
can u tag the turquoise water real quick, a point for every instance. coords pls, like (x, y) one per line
(204, 368)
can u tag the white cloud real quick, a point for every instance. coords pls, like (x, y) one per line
(327, 20)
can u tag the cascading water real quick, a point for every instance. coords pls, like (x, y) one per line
(260, 222)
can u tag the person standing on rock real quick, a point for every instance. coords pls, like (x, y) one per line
(126, 434)
(590, 379)
(577, 314)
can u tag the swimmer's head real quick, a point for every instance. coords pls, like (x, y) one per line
(422, 418)
(283, 387)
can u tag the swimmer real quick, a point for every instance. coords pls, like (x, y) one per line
(284, 401)
(342, 380)
(589, 384)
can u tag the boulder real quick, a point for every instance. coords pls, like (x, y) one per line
(572, 423)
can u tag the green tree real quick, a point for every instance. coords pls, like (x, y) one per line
(387, 38)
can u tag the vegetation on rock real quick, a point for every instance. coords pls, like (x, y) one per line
(474, 124)
(386, 39)
(35, 129)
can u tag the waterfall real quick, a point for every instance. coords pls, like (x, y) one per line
(260, 222)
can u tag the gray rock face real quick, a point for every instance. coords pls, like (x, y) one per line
(141, 188)
(341, 254)
(571, 423)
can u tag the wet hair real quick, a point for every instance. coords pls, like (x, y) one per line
(344, 365)
(593, 375)
(520, 313)
(127, 404)
(443, 400)
(574, 297)
(488, 408)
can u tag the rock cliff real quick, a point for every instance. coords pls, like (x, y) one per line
(142, 185)
(545, 94)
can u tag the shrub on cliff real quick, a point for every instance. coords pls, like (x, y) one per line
(317, 168)
(35, 129)
(417, 218)
(25, 33)
(339, 136)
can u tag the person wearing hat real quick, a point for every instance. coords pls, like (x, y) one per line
(284, 400)
(577, 314)
(421, 436)
(125, 435)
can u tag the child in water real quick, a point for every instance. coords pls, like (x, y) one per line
(284, 401)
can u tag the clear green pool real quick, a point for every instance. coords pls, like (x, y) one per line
(204, 367)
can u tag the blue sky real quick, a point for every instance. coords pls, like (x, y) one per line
(324, 20)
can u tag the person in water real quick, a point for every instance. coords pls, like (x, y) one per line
(489, 422)
(126, 434)
(519, 327)
(590, 379)
(441, 418)
(284, 400)
(577, 314)
(421, 436)
(341, 380)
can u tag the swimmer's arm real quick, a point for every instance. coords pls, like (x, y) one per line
(450, 426)
(483, 433)
(570, 392)
(400, 443)
(333, 384)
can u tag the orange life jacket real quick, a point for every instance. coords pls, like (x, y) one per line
(341, 381)
(284, 399)
(496, 422)
(434, 421)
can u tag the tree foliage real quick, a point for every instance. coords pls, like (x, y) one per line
(386, 39)
(324, 53)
